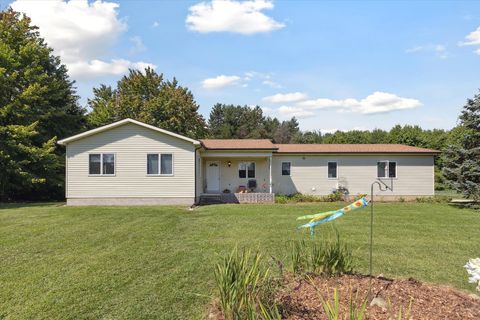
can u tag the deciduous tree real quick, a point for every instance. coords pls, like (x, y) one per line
(147, 97)
(37, 104)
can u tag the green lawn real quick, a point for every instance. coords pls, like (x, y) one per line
(61, 262)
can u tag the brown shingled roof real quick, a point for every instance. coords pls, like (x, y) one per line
(238, 144)
(351, 148)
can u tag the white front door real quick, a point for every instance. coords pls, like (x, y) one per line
(213, 176)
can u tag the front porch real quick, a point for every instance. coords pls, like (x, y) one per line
(236, 177)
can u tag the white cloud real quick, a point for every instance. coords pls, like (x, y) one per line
(332, 130)
(323, 103)
(285, 97)
(267, 110)
(249, 75)
(472, 39)
(93, 68)
(155, 24)
(219, 82)
(272, 84)
(137, 45)
(81, 33)
(439, 49)
(252, 79)
(414, 49)
(377, 102)
(232, 16)
(296, 112)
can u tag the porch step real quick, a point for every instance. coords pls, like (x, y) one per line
(206, 199)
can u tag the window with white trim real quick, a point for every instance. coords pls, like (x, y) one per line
(386, 169)
(286, 168)
(160, 164)
(101, 164)
(246, 170)
(332, 170)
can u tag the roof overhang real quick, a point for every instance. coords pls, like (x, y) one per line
(360, 153)
(239, 149)
(238, 145)
(121, 123)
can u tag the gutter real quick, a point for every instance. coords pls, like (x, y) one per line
(356, 153)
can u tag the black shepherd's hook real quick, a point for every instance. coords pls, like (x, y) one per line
(382, 187)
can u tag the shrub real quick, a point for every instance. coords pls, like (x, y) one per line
(434, 199)
(299, 197)
(244, 287)
(332, 309)
(298, 256)
(440, 186)
(280, 198)
(333, 197)
(360, 196)
(329, 257)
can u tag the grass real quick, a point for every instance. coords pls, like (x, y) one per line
(61, 262)
(449, 193)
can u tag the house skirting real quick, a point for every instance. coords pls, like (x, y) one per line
(253, 197)
(130, 201)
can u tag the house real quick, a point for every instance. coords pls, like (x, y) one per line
(131, 163)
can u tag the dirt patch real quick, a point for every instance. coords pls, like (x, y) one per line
(302, 298)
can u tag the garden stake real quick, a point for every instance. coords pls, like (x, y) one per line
(382, 187)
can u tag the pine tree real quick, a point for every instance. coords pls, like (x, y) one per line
(37, 104)
(462, 160)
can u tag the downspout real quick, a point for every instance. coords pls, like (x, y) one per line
(195, 174)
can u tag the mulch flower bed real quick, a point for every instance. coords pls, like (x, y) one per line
(302, 298)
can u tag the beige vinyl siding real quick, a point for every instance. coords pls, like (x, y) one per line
(309, 174)
(130, 143)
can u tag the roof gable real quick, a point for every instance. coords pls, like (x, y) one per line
(120, 123)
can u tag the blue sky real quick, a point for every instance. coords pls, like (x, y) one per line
(335, 65)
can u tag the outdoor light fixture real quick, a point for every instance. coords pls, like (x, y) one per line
(229, 163)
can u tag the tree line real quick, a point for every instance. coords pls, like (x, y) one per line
(39, 104)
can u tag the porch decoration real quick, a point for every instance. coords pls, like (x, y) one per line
(320, 218)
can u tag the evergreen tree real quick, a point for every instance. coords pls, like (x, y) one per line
(244, 122)
(287, 131)
(237, 122)
(462, 160)
(147, 97)
(271, 124)
(37, 104)
(308, 137)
